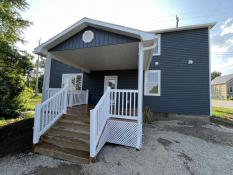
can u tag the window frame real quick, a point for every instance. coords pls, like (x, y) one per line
(158, 36)
(230, 89)
(159, 83)
(107, 77)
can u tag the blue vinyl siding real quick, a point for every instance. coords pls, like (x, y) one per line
(101, 38)
(184, 87)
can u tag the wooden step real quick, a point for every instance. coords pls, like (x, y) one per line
(68, 133)
(72, 155)
(64, 142)
(78, 113)
(76, 121)
(77, 129)
(72, 125)
(85, 119)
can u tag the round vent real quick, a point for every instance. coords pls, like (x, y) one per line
(88, 36)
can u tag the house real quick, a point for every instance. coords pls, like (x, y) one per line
(222, 87)
(99, 77)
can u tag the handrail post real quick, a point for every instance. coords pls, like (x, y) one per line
(36, 129)
(65, 100)
(92, 133)
(87, 94)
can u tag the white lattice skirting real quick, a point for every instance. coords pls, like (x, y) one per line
(119, 132)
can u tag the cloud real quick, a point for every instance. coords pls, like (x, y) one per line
(219, 49)
(226, 23)
(227, 64)
(227, 27)
(230, 41)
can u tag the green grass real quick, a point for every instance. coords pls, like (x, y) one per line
(24, 116)
(33, 102)
(224, 113)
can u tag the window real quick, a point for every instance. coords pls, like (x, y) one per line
(157, 48)
(110, 81)
(152, 83)
(231, 89)
(74, 81)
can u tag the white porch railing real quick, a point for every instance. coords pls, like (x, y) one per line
(51, 92)
(116, 103)
(77, 97)
(98, 120)
(124, 103)
(48, 112)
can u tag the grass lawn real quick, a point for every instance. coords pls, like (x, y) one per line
(24, 116)
(33, 102)
(29, 112)
(224, 113)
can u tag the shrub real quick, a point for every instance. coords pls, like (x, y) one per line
(147, 115)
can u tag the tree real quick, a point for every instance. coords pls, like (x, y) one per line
(215, 74)
(15, 64)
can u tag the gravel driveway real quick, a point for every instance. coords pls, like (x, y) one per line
(180, 146)
(223, 103)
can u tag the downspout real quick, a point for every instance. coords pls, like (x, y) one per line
(140, 90)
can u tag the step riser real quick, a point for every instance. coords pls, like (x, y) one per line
(85, 119)
(62, 133)
(62, 156)
(66, 144)
(73, 126)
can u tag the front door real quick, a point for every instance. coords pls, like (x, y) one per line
(74, 81)
(110, 81)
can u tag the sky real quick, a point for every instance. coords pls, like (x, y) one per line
(50, 17)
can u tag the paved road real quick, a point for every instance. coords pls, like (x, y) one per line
(223, 103)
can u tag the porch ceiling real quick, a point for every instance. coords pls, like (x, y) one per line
(111, 57)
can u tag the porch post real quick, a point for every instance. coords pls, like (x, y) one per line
(140, 95)
(46, 76)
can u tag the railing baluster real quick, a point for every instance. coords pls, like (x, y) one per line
(122, 105)
(134, 101)
(118, 106)
(130, 104)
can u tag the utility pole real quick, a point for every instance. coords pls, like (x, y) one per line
(37, 71)
(177, 21)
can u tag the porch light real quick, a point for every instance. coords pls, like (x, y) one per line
(190, 62)
(87, 36)
(156, 63)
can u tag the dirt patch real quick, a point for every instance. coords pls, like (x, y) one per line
(16, 137)
(65, 169)
(206, 134)
(164, 142)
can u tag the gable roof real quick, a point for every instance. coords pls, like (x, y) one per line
(182, 28)
(85, 22)
(222, 79)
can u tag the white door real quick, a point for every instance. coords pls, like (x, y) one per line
(74, 81)
(110, 81)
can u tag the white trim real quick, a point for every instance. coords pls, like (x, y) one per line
(190, 27)
(159, 46)
(144, 36)
(159, 83)
(140, 94)
(46, 79)
(210, 89)
(107, 77)
(72, 75)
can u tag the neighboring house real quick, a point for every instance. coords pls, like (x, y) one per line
(116, 71)
(222, 87)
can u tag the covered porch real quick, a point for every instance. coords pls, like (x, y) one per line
(109, 61)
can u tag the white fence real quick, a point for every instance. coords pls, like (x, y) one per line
(123, 103)
(98, 120)
(117, 103)
(48, 112)
(77, 97)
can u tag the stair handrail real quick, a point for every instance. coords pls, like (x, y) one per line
(48, 112)
(98, 119)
